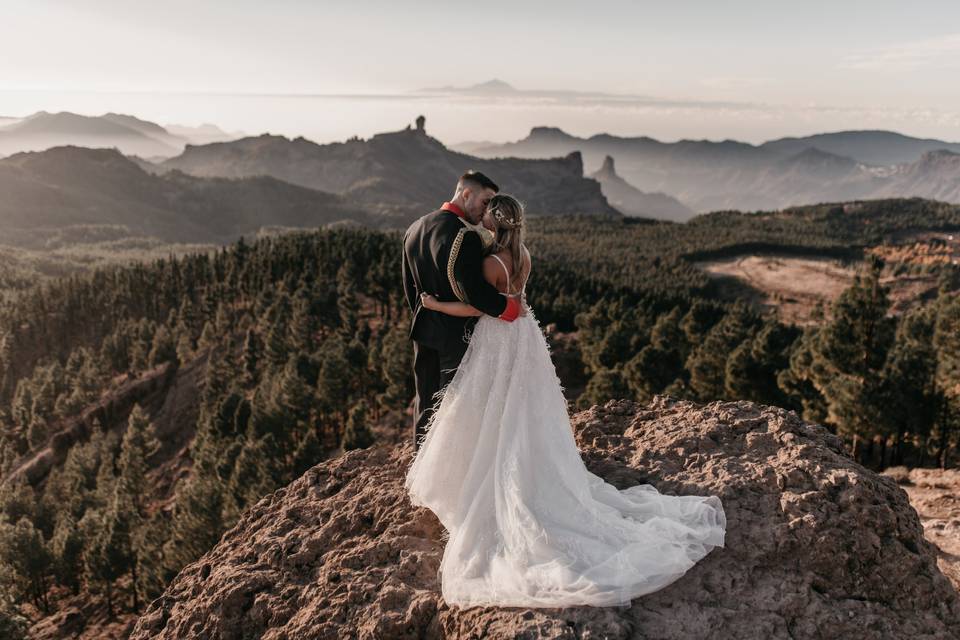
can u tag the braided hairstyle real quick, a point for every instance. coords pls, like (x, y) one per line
(510, 230)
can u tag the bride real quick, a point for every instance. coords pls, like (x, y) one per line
(528, 524)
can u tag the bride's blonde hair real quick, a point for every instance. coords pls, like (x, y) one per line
(510, 230)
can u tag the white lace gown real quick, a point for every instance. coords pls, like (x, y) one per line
(529, 525)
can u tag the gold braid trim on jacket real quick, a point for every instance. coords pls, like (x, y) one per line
(451, 261)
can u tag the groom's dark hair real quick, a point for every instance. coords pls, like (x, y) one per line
(479, 180)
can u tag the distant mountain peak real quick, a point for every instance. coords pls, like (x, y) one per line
(495, 85)
(550, 133)
(490, 87)
(815, 156)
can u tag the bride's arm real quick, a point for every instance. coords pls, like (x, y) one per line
(450, 308)
(461, 309)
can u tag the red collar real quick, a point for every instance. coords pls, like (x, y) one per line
(454, 209)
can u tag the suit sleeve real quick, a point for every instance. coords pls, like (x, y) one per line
(409, 285)
(468, 273)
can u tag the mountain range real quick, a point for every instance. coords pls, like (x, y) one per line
(71, 186)
(129, 134)
(217, 192)
(390, 178)
(705, 175)
(400, 174)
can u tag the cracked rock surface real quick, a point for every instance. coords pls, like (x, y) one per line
(816, 545)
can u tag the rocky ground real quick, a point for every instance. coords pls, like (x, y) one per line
(935, 494)
(816, 546)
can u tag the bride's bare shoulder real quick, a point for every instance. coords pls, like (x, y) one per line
(491, 269)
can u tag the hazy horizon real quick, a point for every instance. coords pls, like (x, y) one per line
(745, 69)
(458, 119)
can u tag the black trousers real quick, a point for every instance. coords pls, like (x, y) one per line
(432, 370)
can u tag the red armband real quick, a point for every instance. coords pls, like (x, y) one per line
(512, 311)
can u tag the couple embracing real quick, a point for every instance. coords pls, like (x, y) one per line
(494, 454)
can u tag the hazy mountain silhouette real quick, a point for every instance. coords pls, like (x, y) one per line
(403, 173)
(67, 186)
(203, 134)
(631, 201)
(937, 174)
(129, 134)
(490, 87)
(705, 175)
(878, 148)
(496, 87)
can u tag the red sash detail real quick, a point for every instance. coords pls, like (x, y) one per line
(512, 312)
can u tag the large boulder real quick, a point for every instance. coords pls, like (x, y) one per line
(817, 546)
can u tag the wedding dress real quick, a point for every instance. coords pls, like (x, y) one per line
(528, 524)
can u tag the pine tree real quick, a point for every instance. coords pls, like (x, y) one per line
(708, 362)
(296, 398)
(23, 549)
(139, 442)
(850, 352)
(303, 326)
(308, 453)
(277, 350)
(197, 522)
(751, 370)
(67, 548)
(333, 387)
(122, 522)
(908, 388)
(660, 363)
(699, 319)
(946, 340)
(208, 336)
(254, 471)
(163, 348)
(252, 356)
(130, 499)
(357, 435)
(149, 540)
(605, 385)
(97, 566)
(347, 303)
(396, 366)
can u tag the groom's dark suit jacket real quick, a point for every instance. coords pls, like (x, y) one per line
(443, 257)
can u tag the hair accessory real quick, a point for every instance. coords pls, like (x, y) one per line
(513, 224)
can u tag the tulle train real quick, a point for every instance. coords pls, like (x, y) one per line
(528, 523)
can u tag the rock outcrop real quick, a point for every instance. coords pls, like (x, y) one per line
(633, 202)
(817, 546)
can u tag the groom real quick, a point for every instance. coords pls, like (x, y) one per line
(443, 255)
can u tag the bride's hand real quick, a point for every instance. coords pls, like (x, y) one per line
(428, 300)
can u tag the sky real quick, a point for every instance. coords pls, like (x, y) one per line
(744, 69)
